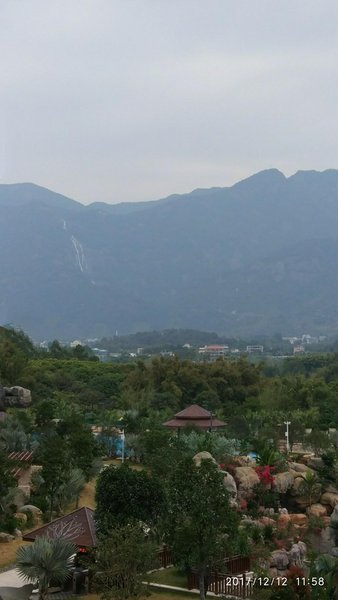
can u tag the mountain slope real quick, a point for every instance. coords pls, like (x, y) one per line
(258, 257)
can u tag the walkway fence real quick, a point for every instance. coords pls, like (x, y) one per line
(232, 581)
(224, 584)
(165, 557)
(237, 564)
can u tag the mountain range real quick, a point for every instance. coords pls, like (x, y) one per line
(259, 257)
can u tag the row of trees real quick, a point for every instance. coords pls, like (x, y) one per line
(162, 386)
(66, 450)
(188, 509)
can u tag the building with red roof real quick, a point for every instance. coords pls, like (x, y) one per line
(196, 416)
(78, 527)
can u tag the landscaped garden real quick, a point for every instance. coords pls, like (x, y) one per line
(224, 497)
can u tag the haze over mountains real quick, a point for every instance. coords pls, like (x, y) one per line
(256, 258)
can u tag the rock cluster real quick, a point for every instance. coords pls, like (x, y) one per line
(281, 560)
(315, 505)
(15, 396)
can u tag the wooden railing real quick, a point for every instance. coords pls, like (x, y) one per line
(223, 584)
(236, 564)
(165, 557)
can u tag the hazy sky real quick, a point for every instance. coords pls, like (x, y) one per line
(121, 100)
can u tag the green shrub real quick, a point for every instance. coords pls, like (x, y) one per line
(9, 523)
(268, 532)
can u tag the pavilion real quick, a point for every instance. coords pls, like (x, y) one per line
(78, 527)
(197, 417)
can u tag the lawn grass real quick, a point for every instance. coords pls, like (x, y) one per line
(172, 576)
(8, 552)
(155, 595)
(165, 595)
(87, 496)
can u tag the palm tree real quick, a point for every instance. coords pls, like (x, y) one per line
(44, 561)
(326, 566)
(310, 486)
(71, 489)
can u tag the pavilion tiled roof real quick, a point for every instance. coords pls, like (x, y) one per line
(78, 527)
(193, 412)
(194, 415)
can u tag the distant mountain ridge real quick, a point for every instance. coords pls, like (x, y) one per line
(256, 258)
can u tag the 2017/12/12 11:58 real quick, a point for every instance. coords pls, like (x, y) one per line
(276, 581)
(283, 581)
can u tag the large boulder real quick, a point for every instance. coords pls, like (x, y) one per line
(279, 559)
(16, 396)
(36, 513)
(21, 517)
(298, 484)
(299, 519)
(329, 499)
(316, 510)
(298, 467)
(203, 456)
(315, 463)
(297, 554)
(244, 461)
(283, 482)
(230, 484)
(266, 521)
(18, 534)
(283, 521)
(302, 549)
(30, 508)
(334, 516)
(246, 478)
(5, 538)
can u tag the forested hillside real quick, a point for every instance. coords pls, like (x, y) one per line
(248, 396)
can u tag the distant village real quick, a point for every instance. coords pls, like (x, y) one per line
(288, 346)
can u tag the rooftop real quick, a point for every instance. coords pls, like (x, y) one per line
(194, 415)
(78, 526)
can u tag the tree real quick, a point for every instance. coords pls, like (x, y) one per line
(199, 518)
(54, 458)
(122, 560)
(57, 351)
(70, 490)
(326, 566)
(125, 496)
(46, 560)
(12, 436)
(7, 482)
(45, 412)
(83, 448)
(318, 441)
(161, 450)
(12, 362)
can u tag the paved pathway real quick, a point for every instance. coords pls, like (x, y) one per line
(11, 578)
(12, 587)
